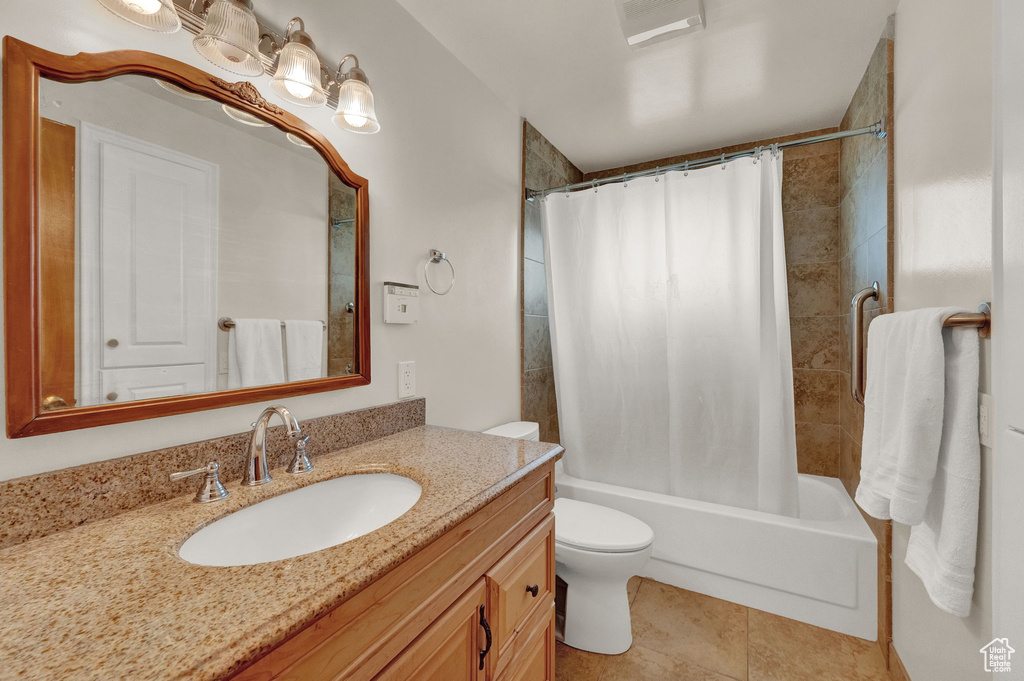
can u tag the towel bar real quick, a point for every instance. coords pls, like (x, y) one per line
(225, 323)
(982, 320)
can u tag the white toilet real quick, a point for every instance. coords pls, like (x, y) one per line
(597, 550)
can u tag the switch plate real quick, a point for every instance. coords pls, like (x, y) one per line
(406, 379)
(985, 416)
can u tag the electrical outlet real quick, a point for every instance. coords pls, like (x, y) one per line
(985, 416)
(406, 379)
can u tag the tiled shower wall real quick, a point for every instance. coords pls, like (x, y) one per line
(544, 167)
(866, 256)
(810, 205)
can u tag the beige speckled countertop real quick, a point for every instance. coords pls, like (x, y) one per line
(112, 599)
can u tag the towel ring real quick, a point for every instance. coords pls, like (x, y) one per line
(437, 256)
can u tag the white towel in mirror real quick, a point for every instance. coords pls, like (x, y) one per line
(304, 340)
(255, 355)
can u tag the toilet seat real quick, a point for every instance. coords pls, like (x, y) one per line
(600, 529)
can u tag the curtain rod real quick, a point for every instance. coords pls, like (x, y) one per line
(878, 130)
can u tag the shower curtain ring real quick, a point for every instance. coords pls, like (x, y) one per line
(686, 168)
(723, 161)
(656, 169)
(594, 185)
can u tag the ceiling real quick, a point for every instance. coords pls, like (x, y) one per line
(762, 68)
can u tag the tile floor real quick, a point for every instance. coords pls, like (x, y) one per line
(684, 636)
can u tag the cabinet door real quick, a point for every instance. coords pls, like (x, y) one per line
(535, 660)
(450, 649)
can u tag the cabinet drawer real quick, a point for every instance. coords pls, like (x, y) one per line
(521, 583)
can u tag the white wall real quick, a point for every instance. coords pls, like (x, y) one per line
(1008, 266)
(444, 173)
(943, 156)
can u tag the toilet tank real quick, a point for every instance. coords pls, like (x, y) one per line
(520, 430)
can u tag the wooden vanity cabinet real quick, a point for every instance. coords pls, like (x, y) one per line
(476, 604)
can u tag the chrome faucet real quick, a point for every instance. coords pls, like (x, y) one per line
(256, 470)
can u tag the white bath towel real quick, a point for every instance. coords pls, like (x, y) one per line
(942, 549)
(254, 353)
(903, 408)
(304, 341)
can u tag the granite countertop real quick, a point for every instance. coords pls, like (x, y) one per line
(112, 599)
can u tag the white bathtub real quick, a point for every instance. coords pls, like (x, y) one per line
(820, 568)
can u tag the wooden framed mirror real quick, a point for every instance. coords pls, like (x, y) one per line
(159, 222)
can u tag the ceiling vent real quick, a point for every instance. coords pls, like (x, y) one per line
(648, 21)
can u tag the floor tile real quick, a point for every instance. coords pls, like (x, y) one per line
(577, 665)
(633, 586)
(641, 664)
(785, 650)
(691, 627)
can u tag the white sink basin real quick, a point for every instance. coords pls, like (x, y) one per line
(316, 517)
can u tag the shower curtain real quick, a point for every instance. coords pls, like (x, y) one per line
(669, 320)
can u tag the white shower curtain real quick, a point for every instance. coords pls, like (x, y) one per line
(669, 321)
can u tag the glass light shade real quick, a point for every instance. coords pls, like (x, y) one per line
(181, 92)
(355, 108)
(156, 15)
(298, 141)
(231, 38)
(297, 79)
(244, 117)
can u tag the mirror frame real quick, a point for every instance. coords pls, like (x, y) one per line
(23, 65)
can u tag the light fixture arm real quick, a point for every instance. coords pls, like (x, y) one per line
(354, 72)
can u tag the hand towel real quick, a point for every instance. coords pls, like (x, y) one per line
(254, 353)
(304, 341)
(903, 408)
(943, 547)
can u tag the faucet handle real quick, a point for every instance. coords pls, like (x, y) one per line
(300, 462)
(212, 489)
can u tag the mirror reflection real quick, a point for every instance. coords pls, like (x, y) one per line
(186, 247)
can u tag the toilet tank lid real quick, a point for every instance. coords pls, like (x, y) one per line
(521, 430)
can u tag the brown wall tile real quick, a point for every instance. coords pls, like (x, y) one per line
(814, 289)
(537, 342)
(533, 239)
(539, 392)
(816, 394)
(865, 210)
(817, 448)
(535, 289)
(815, 342)
(812, 235)
(811, 182)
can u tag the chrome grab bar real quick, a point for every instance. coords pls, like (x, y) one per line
(857, 340)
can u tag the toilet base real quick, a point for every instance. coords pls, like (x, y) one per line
(597, 604)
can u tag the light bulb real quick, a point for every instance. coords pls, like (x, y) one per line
(155, 15)
(144, 6)
(294, 86)
(355, 120)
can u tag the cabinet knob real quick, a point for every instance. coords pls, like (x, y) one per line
(112, 396)
(533, 590)
(113, 343)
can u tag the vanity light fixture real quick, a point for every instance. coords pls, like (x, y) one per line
(231, 37)
(297, 79)
(355, 111)
(155, 15)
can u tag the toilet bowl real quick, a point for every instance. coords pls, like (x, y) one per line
(597, 550)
